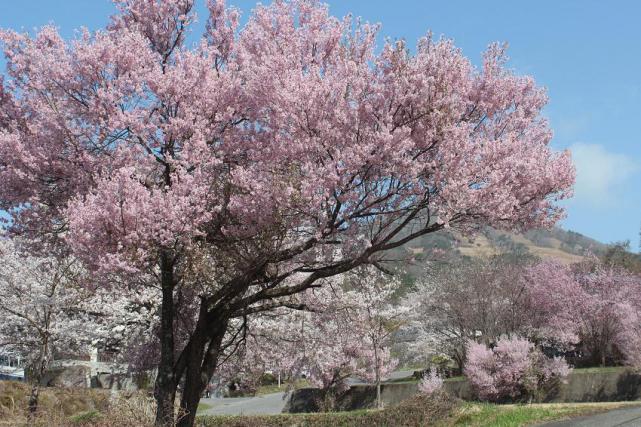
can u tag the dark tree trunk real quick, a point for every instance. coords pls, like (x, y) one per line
(166, 383)
(197, 361)
(194, 387)
(379, 402)
(33, 399)
(194, 383)
(202, 360)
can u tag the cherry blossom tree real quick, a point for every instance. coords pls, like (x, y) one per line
(589, 306)
(551, 301)
(379, 318)
(128, 319)
(512, 369)
(340, 331)
(479, 299)
(255, 164)
(334, 351)
(39, 299)
(48, 307)
(365, 320)
(273, 340)
(608, 314)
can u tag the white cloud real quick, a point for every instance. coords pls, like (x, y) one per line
(600, 174)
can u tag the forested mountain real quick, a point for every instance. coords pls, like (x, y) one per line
(565, 246)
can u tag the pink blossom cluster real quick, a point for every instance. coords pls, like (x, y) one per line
(134, 142)
(512, 369)
(430, 383)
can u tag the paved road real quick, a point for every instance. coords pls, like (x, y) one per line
(396, 375)
(624, 417)
(402, 374)
(263, 405)
(259, 405)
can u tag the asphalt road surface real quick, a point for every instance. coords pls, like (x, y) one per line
(624, 417)
(396, 375)
(263, 405)
(260, 405)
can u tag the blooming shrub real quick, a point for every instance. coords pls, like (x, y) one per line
(513, 369)
(431, 383)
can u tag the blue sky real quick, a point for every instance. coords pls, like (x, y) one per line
(587, 53)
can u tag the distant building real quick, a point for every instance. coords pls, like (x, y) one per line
(95, 369)
(11, 367)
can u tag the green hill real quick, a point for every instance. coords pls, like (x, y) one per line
(567, 247)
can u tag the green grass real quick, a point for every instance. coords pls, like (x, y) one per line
(203, 407)
(86, 417)
(602, 370)
(489, 415)
(268, 389)
(454, 415)
(337, 419)
(410, 366)
(417, 411)
(401, 380)
(273, 388)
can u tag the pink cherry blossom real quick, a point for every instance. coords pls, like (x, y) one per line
(282, 153)
(431, 383)
(512, 369)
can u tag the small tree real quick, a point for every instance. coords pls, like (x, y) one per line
(470, 300)
(430, 383)
(48, 306)
(378, 318)
(609, 314)
(551, 302)
(39, 305)
(514, 368)
(340, 331)
(351, 337)
(590, 305)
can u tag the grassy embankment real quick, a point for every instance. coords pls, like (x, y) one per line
(417, 413)
(94, 408)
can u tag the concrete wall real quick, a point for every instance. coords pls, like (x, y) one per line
(68, 376)
(598, 387)
(89, 374)
(581, 386)
(357, 397)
